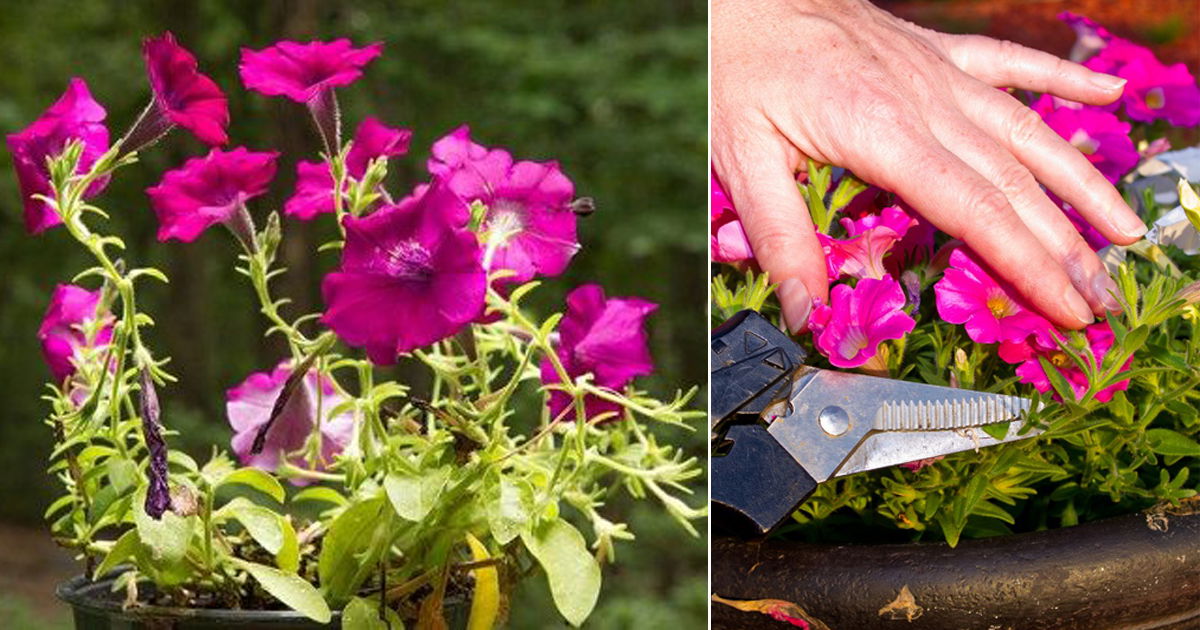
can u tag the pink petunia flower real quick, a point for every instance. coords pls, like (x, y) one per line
(849, 330)
(410, 276)
(727, 239)
(314, 181)
(1099, 135)
(62, 330)
(248, 407)
(302, 72)
(605, 337)
(182, 95)
(969, 295)
(869, 239)
(209, 190)
(1153, 90)
(1100, 340)
(530, 225)
(74, 116)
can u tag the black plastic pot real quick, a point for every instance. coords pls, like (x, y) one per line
(95, 608)
(1133, 572)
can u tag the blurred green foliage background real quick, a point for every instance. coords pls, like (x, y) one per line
(616, 91)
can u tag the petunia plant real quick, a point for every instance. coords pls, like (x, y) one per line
(347, 491)
(1117, 400)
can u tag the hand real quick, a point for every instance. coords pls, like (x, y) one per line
(917, 113)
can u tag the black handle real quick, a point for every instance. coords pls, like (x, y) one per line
(751, 363)
(757, 484)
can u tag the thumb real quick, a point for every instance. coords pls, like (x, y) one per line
(775, 217)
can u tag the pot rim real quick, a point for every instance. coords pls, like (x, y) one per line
(91, 595)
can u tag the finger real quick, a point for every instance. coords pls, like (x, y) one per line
(962, 203)
(1006, 64)
(761, 183)
(1045, 219)
(1053, 161)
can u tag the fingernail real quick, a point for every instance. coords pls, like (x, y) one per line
(1107, 82)
(1078, 306)
(1127, 222)
(1106, 292)
(797, 304)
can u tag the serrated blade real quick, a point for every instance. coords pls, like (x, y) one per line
(977, 409)
(884, 449)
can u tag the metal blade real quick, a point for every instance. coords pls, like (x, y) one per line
(883, 449)
(829, 414)
(973, 410)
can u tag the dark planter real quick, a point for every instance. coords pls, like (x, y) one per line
(1117, 573)
(95, 608)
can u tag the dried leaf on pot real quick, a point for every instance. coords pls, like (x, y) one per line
(777, 609)
(903, 607)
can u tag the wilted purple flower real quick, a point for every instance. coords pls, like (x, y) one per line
(249, 407)
(410, 275)
(74, 116)
(529, 221)
(158, 494)
(182, 95)
(605, 337)
(61, 332)
(209, 190)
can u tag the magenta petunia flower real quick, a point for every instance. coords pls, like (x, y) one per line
(248, 407)
(727, 239)
(314, 181)
(74, 116)
(969, 295)
(182, 95)
(1099, 135)
(849, 330)
(1153, 90)
(869, 239)
(605, 337)
(1100, 340)
(530, 225)
(209, 190)
(302, 72)
(62, 330)
(411, 275)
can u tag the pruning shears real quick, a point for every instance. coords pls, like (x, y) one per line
(780, 427)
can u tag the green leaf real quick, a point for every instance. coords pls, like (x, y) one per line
(288, 556)
(125, 547)
(413, 496)
(166, 539)
(571, 570)
(122, 473)
(261, 523)
(257, 479)
(508, 512)
(1057, 380)
(363, 614)
(320, 493)
(996, 429)
(356, 539)
(1168, 442)
(290, 589)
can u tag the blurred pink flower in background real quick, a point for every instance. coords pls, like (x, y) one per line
(248, 407)
(1099, 135)
(302, 72)
(410, 275)
(969, 295)
(209, 190)
(602, 336)
(182, 95)
(61, 333)
(74, 116)
(849, 330)
(727, 239)
(1153, 90)
(529, 223)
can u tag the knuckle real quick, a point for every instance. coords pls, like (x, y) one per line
(1014, 177)
(1024, 126)
(989, 213)
(774, 241)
